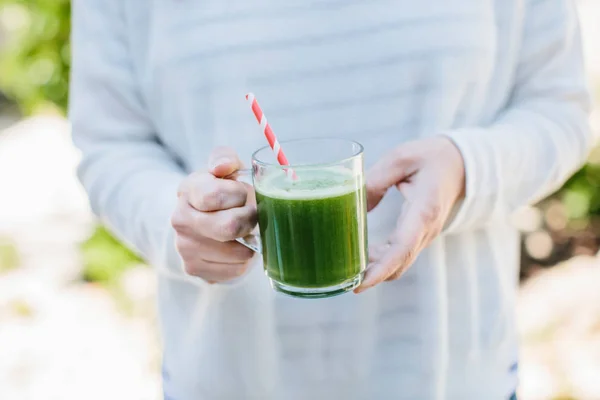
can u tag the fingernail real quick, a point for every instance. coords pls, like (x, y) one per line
(360, 289)
(220, 161)
(365, 283)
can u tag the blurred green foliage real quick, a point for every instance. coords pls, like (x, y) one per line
(35, 57)
(105, 258)
(34, 72)
(9, 255)
(21, 308)
(581, 194)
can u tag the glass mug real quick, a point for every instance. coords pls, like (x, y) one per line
(313, 227)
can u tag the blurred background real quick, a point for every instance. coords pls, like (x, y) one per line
(77, 316)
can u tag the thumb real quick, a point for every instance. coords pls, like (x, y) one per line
(223, 161)
(389, 171)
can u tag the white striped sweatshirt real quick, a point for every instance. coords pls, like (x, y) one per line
(157, 84)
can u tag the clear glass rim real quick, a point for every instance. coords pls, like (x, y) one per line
(290, 143)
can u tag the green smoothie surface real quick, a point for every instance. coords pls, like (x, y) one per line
(309, 184)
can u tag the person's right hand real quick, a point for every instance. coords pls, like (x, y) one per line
(211, 213)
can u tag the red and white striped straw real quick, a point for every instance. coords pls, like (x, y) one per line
(271, 138)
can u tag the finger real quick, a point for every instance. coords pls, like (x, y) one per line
(182, 217)
(224, 252)
(397, 274)
(398, 258)
(225, 225)
(409, 238)
(376, 252)
(215, 272)
(191, 250)
(214, 194)
(223, 161)
(225, 272)
(204, 249)
(188, 221)
(391, 169)
(251, 199)
(194, 179)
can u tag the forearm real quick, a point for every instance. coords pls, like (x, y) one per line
(133, 189)
(526, 155)
(543, 134)
(130, 177)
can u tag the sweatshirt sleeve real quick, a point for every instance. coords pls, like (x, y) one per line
(542, 136)
(131, 179)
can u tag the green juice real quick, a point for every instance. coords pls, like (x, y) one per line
(313, 228)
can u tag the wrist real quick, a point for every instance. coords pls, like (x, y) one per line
(455, 163)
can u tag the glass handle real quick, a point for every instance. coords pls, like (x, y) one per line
(251, 241)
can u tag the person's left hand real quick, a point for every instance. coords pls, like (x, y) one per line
(430, 175)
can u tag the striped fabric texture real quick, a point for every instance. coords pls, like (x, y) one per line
(157, 84)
